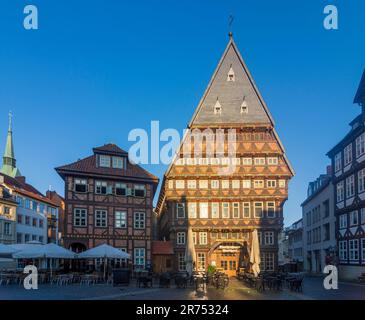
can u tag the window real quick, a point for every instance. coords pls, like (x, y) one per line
(361, 180)
(41, 208)
(269, 238)
(120, 189)
(236, 210)
(139, 257)
(203, 210)
(20, 219)
(34, 205)
(34, 222)
(34, 237)
(27, 220)
(26, 238)
(340, 191)
(282, 183)
(326, 232)
(7, 228)
(362, 215)
(139, 220)
(360, 145)
(258, 209)
(180, 210)
(180, 238)
(191, 184)
(235, 184)
(27, 203)
(192, 210)
(41, 223)
(225, 210)
(203, 184)
(271, 183)
(230, 76)
(19, 237)
(343, 250)
(246, 210)
(258, 183)
(363, 249)
(259, 161)
(180, 184)
(270, 209)
(309, 237)
(348, 155)
(269, 261)
(201, 261)
(80, 185)
(326, 207)
(215, 210)
(118, 162)
(120, 219)
(350, 186)
(338, 162)
(247, 161)
(194, 237)
(246, 184)
(354, 218)
(272, 161)
(214, 184)
(354, 250)
(181, 261)
(225, 184)
(139, 190)
(203, 238)
(217, 108)
(171, 184)
(343, 221)
(101, 187)
(104, 161)
(100, 218)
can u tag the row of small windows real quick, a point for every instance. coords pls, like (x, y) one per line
(352, 219)
(114, 162)
(347, 186)
(101, 219)
(225, 184)
(260, 161)
(348, 153)
(35, 206)
(28, 221)
(225, 210)
(218, 107)
(108, 188)
(201, 238)
(352, 250)
(24, 238)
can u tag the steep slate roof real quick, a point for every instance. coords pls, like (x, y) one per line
(360, 94)
(89, 166)
(231, 94)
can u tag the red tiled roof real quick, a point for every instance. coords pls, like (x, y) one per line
(19, 185)
(88, 166)
(110, 148)
(162, 247)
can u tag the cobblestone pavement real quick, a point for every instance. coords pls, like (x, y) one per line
(312, 289)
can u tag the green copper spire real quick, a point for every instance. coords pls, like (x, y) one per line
(9, 163)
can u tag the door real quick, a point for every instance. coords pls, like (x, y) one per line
(229, 265)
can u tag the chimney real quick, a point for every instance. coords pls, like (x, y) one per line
(329, 170)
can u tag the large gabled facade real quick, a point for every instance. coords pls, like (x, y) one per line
(223, 208)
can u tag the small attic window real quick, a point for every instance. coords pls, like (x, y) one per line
(217, 108)
(244, 106)
(230, 76)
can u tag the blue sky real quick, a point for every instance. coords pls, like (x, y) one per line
(95, 70)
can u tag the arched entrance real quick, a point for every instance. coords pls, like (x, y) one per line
(228, 257)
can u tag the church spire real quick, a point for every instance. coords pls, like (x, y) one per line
(9, 162)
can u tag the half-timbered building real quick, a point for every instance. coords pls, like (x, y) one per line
(109, 200)
(222, 207)
(348, 161)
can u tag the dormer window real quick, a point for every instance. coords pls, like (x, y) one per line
(230, 76)
(118, 162)
(104, 161)
(244, 106)
(217, 108)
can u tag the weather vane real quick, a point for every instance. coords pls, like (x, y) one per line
(230, 22)
(10, 118)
